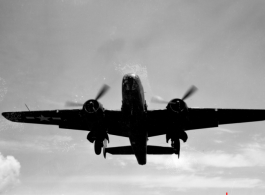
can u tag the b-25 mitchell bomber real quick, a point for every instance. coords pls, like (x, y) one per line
(135, 121)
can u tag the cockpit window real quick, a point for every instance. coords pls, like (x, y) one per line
(129, 83)
(134, 86)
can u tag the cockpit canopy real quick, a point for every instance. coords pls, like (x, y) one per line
(130, 82)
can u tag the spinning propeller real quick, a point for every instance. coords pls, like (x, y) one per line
(190, 92)
(101, 92)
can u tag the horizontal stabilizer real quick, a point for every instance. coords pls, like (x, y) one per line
(127, 150)
(121, 150)
(159, 150)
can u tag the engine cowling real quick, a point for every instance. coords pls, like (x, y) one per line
(95, 112)
(179, 135)
(97, 135)
(178, 120)
(93, 106)
(177, 106)
(178, 116)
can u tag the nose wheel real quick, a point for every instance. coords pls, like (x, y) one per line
(98, 146)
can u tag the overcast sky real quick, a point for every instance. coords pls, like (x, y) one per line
(52, 51)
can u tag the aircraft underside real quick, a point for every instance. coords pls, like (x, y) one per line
(135, 122)
(138, 139)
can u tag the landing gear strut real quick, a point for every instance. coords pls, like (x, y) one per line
(176, 146)
(98, 146)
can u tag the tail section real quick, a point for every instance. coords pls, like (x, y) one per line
(128, 150)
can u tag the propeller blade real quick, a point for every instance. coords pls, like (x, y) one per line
(159, 100)
(72, 104)
(191, 91)
(102, 91)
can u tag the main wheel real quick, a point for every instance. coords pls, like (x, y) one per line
(176, 146)
(98, 146)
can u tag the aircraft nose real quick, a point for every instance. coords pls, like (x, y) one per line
(129, 82)
(130, 75)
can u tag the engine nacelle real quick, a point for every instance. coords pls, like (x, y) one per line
(178, 120)
(178, 113)
(97, 135)
(94, 111)
(177, 106)
(93, 106)
(175, 136)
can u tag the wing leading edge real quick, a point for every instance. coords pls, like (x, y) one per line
(69, 119)
(199, 118)
(158, 121)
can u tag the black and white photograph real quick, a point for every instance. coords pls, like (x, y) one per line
(146, 97)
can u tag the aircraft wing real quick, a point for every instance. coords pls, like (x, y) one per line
(199, 118)
(68, 119)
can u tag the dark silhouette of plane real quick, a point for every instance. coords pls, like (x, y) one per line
(135, 121)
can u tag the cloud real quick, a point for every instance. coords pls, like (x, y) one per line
(218, 141)
(176, 182)
(258, 138)
(55, 143)
(9, 172)
(250, 155)
(55, 138)
(52, 143)
(183, 182)
(22, 145)
(6, 124)
(198, 161)
(224, 130)
(3, 89)
(254, 153)
(191, 160)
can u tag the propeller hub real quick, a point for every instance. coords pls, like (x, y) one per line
(177, 105)
(91, 106)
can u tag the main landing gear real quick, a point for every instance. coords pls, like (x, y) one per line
(98, 146)
(176, 146)
(99, 139)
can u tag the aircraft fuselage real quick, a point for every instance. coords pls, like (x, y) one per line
(134, 108)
